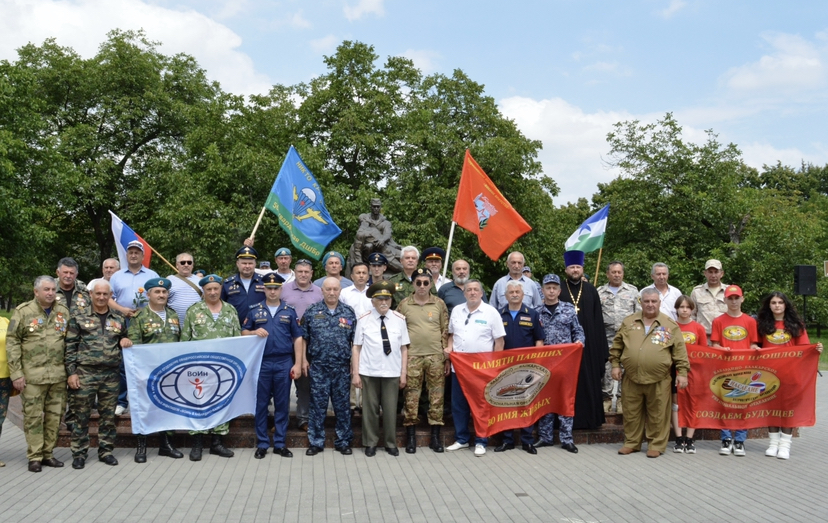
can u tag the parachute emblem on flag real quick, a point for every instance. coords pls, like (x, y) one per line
(304, 202)
(485, 210)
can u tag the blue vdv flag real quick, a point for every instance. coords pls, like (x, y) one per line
(192, 385)
(297, 200)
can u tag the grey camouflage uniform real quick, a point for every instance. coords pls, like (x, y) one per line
(616, 307)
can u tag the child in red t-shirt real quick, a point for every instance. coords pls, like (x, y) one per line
(779, 325)
(734, 330)
(694, 334)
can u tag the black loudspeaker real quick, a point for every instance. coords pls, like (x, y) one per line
(805, 280)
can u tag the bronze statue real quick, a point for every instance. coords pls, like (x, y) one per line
(374, 235)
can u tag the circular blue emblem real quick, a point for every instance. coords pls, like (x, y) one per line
(196, 385)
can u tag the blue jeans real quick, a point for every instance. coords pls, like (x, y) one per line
(461, 412)
(741, 435)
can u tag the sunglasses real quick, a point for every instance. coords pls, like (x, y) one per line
(422, 283)
(186, 262)
(467, 318)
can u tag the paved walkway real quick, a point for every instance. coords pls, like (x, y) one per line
(554, 486)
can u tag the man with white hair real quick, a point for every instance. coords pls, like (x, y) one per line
(531, 294)
(404, 281)
(668, 294)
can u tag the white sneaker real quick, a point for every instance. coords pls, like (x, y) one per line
(479, 450)
(727, 447)
(120, 411)
(457, 446)
(739, 448)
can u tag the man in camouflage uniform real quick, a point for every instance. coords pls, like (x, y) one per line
(328, 329)
(427, 319)
(34, 343)
(207, 320)
(275, 320)
(93, 354)
(618, 300)
(155, 323)
(560, 325)
(71, 292)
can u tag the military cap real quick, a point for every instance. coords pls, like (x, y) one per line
(551, 278)
(381, 289)
(433, 253)
(526, 268)
(573, 258)
(272, 279)
(333, 253)
(247, 253)
(264, 264)
(422, 273)
(158, 282)
(377, 258)
(283, 251)
(716, 264)
(136, 244)
(200, 272)
(210, 278)
(376, 201)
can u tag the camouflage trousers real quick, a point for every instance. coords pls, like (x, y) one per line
(102, 381)
(43, 405)
(433, 368)
(222, 430)
(546, 427)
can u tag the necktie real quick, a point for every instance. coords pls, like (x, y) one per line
(386, 343)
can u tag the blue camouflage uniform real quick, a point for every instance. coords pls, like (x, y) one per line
(232, 291)
(522, 330)
(558, 328)
(274, 377)
(330, 337)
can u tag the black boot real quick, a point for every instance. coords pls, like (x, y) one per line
(435, 444)
(198, 446)
(141, 453)
(411, 446)
(166, 448)
(217, 447)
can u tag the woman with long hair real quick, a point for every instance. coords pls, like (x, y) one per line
(779, 325)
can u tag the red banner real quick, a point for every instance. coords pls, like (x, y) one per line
(746, 389)
(482, 210)
(512, 389)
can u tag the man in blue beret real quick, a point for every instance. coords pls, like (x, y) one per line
(275, 320)
(334, 263)
(245, 289)
(283, 258)
(156, 323)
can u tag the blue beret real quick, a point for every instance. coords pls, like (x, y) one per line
(210, 278)
(248, 253)
(158, 282)
(573, 258)
(283, 251)
(333, 253)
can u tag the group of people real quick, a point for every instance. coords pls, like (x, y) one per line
(358, 342)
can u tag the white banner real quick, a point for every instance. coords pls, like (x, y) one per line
(193, 385)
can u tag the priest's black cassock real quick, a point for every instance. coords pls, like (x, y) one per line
(589, 401)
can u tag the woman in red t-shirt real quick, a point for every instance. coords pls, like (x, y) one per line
(694, 334)
(779, 325)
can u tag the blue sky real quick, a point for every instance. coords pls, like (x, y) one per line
(753, 71)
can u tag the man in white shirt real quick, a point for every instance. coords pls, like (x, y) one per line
(669, 294)
(474, 327)
(355, 297)
(433, 261)
(283, 259)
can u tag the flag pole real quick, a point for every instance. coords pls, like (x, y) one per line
(165, 260)
(597, 267)
(448, 248)
(253, 234)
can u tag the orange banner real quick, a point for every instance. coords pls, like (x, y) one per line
(512, 389)
(482, 210)
(746, 389)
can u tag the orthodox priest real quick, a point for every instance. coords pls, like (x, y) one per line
(589, 406)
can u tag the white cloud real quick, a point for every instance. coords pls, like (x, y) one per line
(793, 65)
(297, 20)
(364, 7)
(325, 44)
(424, 59)
(83, 24)
(758, 154)
(574, 142)
(230, 8)
(674, 7)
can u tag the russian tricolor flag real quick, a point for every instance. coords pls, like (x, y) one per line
(123, 234)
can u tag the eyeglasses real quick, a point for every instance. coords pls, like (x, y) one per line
(186, 262)
(422, 283)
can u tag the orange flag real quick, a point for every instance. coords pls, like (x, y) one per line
(482, 210)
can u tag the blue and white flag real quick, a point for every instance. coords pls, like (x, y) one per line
(590, 235)
(192, 385)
